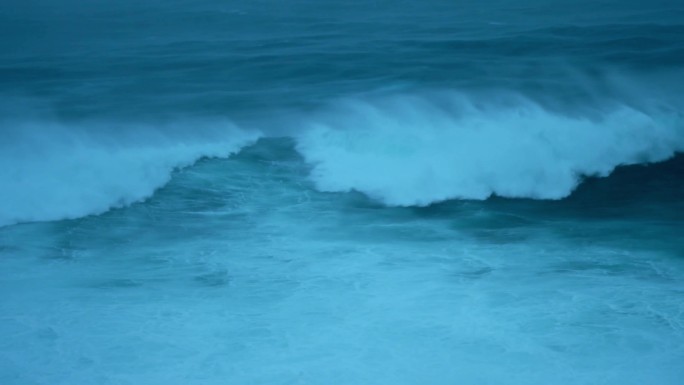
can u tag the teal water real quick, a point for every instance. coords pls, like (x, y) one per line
(261, 192)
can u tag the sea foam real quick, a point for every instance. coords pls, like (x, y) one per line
(411, 150)
(51, 171)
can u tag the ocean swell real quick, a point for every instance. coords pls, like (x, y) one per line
(51, 171)
(417, 150)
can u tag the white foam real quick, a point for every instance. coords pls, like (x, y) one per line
(409, 150)
(50, 171)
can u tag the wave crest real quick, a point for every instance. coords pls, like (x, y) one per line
(51, 171)
(409, 150)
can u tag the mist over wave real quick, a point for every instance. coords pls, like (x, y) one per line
(55, 171)
(416, 150)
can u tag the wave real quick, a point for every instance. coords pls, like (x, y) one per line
(52, 171)
(402, 150)
(418, 150)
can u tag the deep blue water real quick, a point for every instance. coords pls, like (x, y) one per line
(341, 192)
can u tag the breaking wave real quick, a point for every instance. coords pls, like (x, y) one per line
(400, 150)
(52, 171)
(409, 150)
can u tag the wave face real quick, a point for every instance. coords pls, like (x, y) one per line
(55, 171)
(409, 150)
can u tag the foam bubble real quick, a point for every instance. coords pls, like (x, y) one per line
(409, 150)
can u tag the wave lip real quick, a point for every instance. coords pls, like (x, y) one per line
(409, 150)
(52, 171)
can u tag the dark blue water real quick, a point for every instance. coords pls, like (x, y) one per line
(377, 192)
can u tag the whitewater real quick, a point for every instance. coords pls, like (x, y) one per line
(341, 192)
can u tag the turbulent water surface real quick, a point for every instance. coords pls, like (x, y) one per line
(341, 192)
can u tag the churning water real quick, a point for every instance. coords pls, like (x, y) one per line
(341, 192)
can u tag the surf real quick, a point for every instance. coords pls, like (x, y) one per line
(52, 170)
(415, 150)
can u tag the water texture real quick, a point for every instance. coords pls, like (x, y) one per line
(341, 192)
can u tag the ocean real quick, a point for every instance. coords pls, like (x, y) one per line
(402, 192)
